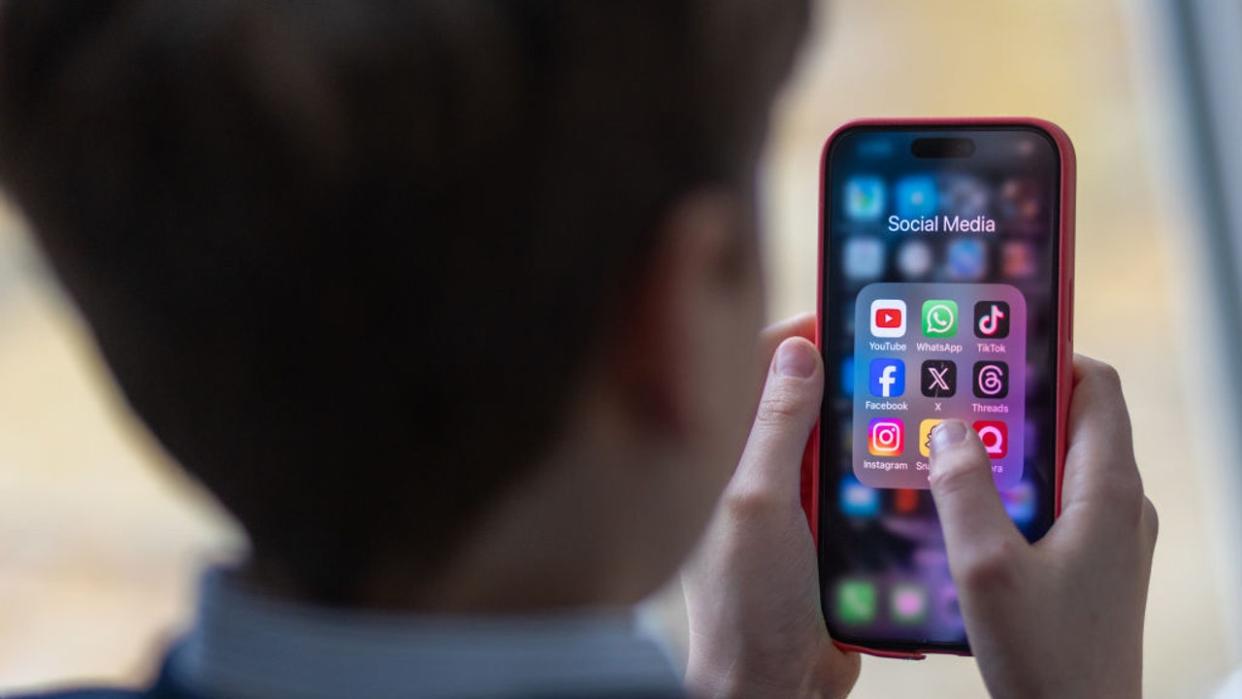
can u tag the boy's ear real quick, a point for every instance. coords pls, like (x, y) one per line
(689, 301)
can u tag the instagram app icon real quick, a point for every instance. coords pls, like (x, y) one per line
(886, 437)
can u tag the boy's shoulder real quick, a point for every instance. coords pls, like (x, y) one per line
(89, 694)
(163, 691)
(166, 685)
(158, 693)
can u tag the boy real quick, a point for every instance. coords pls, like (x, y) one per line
(452, 303)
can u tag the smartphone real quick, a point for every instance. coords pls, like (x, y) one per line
(946, 291)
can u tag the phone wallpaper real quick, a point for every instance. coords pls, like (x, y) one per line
(939, 302)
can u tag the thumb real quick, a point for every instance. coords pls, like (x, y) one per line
(772, 460)
(976, 526)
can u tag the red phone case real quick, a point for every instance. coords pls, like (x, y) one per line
(1065, 315)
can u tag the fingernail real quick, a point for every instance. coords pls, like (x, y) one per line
(796, 359)
(947, 434)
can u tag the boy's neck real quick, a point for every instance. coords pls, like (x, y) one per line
(548, 546)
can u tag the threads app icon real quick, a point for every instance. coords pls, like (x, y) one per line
(991, 379)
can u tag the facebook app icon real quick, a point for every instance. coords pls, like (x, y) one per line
(888, 377)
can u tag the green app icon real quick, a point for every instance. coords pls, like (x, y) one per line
(939, 318)
(856, 602)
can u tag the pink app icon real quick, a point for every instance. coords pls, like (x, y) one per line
(909, 603)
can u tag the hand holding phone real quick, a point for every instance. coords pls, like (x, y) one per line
(1062, 617)
(756, 629)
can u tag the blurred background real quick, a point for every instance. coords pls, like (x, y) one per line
(101, 540)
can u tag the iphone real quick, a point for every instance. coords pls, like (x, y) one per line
(946, 291)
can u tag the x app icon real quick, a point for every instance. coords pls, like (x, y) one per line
(939, 378)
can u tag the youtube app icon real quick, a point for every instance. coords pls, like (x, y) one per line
(888, 318)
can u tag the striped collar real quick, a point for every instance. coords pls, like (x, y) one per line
(251, 646)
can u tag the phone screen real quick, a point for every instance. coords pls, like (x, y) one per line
(940, 287)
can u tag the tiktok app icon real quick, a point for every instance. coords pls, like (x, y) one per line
(992, 320)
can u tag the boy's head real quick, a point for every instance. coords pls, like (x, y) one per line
(390, 276)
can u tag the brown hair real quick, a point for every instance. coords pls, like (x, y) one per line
(345, 258)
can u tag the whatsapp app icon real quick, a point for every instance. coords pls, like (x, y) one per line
(939, 318)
